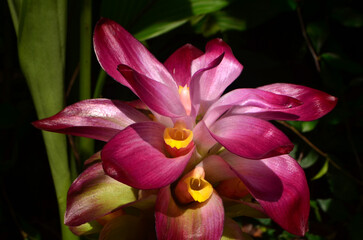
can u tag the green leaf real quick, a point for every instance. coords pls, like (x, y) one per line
(41, 47)
(309, 159)
(314, 205)
(318, 33)
(158, 29)
(304, 126)
(348, 17)
(148, 19)
(322, 171)
(342, 63)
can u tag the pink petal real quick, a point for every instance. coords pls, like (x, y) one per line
(203, 139)
(216, 169)
(214, 81)
(253, 102)
(315, 103)
(279, 185)
(94, 194)
(161, 98)
(113, 46)
(199, 106)
(250, 137)
(100, 119)
(136, 157)
(192, 221)
(179, 64)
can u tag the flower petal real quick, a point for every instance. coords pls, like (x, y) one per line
(216, 80)
(128, 227)
(203, 139)
(136, 157)
(94, 194)
(199, 105)
(255, 102)
(192, 221)
(279, 185)
(86, 228)
(100, 119)
(159, 97)
(179, 63)
(250, 137)
(216, 169)
(113, 46)
(315, 103)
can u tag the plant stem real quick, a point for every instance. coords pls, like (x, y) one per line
(99, 85)
(86, 145)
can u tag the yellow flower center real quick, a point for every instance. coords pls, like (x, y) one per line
(178, 140)
(199, 189)
(177, 137)
(193, 187)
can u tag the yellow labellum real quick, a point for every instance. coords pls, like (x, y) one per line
(178, 136)
(199, 189)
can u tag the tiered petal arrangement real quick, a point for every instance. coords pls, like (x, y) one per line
(184, 159)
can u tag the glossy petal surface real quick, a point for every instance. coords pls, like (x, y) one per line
(250, 137)
(255, 102)
(315, 103)
(113, 46)
(100, 119)
(179, 64)
(157, 96)
(216, 80)
(279, 185)
(192, 221)
(136, 157)
(94, 194)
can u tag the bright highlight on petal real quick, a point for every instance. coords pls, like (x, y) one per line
(178, 140)
(185, 98)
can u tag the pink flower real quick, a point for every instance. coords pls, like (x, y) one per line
(192, 126)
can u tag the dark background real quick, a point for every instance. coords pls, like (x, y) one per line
(270, 43)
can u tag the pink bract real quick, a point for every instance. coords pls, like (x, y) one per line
(231, 134)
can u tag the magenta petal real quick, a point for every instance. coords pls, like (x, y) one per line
(255, 102)
(214, 81)
(192, 221)
(315, 103)
(279, 185)
(250, 137)
(216, 169)
(94, 194)
(100, 119)
(161, 98)
(113, 46)
(136, 157)
(179, 64)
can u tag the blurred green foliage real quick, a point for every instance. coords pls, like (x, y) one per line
(307, 42)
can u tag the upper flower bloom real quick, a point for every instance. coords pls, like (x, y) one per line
(191, 123)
